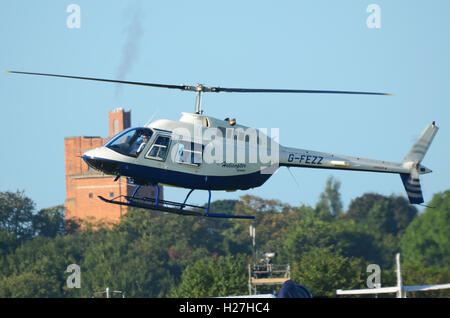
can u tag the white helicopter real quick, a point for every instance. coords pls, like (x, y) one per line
(201, 152)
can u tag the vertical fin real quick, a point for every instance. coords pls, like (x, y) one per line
(412, 187)
(413, 159)
(422, 144)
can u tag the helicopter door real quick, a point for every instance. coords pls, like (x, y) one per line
(159, 149)
(189, 153)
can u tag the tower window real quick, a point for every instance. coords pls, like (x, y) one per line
(116, 126)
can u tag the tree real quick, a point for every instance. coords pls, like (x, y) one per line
(330, 200)
(272, 220)
(27, 285)
(212, 277)
(139, 268)
(381, 214)
(223, 206)
(152, 254)
(39, 265)
(8, 242)
(16, 214)
(324, 270)
(339, 235)
(385, 218)
(416, 274)
(49, 222)
(426, 239)
(307, 234)
(195, 282)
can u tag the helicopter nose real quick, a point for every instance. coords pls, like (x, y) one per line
(93, 160)
(90, 159)
(89, 153)
(90, 156)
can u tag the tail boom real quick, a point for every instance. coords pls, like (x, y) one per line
(409, 169)
(293, 157)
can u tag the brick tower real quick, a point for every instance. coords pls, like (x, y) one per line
(118, 120)
(84, 184)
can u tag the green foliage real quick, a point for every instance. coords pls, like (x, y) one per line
(416, 274)
(343, 236)
(26, 285)
(223, 206)
(426, 240)
(49, 222)
(16, 214)
(380, 214)
(330, 204)
(323, 270)
(153, 254)
(8, 242)
(383, 218)
(44, 259)
(213, 277)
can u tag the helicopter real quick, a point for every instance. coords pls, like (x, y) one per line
(199, 152)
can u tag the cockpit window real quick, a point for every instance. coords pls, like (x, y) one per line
(130, 142)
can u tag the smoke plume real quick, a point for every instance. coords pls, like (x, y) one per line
(133, 33)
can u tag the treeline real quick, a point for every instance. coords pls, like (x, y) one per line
(152, 254)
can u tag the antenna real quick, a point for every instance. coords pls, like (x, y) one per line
(293, 177)
(151, 118)
(252, 231)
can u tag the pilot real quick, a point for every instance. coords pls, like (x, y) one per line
(142, 145)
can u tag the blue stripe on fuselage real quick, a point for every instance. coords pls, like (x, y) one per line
(154, 175)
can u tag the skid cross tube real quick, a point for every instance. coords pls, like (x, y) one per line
(207, 206)
(209, 202)
(184, 202)
(135, 191)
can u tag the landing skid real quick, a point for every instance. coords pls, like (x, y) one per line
(170, 206)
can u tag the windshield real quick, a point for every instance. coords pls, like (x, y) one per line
(130, 142)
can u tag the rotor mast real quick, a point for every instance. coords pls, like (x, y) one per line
(199, 89)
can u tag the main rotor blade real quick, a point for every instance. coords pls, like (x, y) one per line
(270, 90)
(182, 87)
(202, 88)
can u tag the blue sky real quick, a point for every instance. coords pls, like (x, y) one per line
(257, 44)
